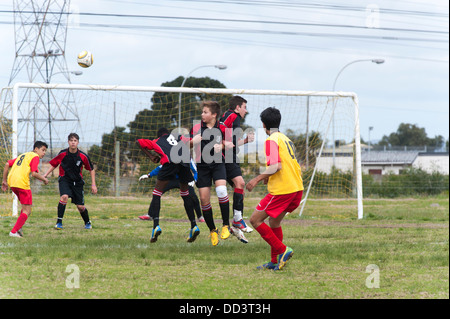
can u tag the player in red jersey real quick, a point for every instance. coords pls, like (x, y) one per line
(71, 184)
(18, 179)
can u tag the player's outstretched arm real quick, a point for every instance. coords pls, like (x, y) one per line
(195, 140)
(50, 169)
(228, 145)
(146, 151)
(249, 139)
(40, 177)
(272, 169)
(151, 174)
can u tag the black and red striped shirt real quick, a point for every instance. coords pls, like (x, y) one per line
(71, 164)
(232, 120)
(163, 146)
(210, 136)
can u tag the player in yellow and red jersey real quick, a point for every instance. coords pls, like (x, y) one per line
(18, 179)
(285, 187)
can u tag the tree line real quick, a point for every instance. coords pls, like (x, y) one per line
(412, 135)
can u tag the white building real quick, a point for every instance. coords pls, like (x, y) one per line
(432, 162)
(384, 162)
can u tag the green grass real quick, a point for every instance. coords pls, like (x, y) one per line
(406, 238)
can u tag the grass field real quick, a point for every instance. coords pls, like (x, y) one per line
(407, 239)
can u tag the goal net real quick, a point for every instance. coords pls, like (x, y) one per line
(323, 126)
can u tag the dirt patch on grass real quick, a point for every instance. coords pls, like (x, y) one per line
(358, 225)
(350, 224)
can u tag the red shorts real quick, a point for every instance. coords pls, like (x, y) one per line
(24, 195)
(274, 205)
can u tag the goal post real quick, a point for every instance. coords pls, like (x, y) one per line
(323, 125)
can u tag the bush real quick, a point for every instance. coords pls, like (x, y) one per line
(412, 181)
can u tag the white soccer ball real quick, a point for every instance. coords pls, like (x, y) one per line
(85, 59)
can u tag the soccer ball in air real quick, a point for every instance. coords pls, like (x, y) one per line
(85, 59)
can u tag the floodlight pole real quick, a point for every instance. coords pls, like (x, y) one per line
(377, 61)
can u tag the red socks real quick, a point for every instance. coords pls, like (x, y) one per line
(271, 237)
(279, 233)
(20, 222)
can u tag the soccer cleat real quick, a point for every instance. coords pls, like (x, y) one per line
(88, 225)
(225, 233)
(214, 234)
(145, 217)
(193, 233)
(17, 235)
(283, 258)
(20, 232)
(155, 233)
(59, 226)
(238, 234)
(270, 265)
(242, 226)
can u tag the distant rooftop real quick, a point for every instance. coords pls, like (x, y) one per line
(389, 157)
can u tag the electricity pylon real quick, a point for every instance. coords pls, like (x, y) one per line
(40, 29)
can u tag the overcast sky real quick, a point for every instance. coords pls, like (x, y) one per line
(284, 45)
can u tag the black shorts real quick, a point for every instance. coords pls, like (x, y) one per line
(208, 172)
(75, 190)
(169, 171)
(233, 170)
(175, 183)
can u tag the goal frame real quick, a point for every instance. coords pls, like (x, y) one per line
(335, 94)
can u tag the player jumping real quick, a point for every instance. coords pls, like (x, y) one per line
(208, 138)
(232, 120)
(171, 167)
(175, 183)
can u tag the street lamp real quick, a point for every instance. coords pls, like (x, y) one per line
(370, 129)
(377, 61)
(71, 72)
(217, 66)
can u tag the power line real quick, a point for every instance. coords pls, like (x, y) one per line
(267, 32)
(223, 10)
(292, 4)
(262, 31)
(359, 37)
(116, 15)
(180, 35)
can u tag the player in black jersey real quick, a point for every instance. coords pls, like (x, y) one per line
(174, 157)
(208, 138)
(71, 184)
(232, 119)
